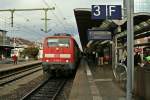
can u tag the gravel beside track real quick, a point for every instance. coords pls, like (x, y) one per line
(64, 94)
(23, 89)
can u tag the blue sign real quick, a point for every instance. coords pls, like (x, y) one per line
(114, 12)
(99, 35)
(98, 11)
(106, 12)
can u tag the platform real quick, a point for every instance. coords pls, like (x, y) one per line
(9, 66)
(95, 83)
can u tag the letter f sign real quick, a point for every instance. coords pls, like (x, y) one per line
(114, 12)
(111, 10)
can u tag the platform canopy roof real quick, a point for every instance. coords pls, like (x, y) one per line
(84, 22)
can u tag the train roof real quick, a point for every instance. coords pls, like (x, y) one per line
(60, 36)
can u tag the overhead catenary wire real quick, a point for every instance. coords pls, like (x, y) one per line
(3, 23)
(29, 29)
(27, 19)
(24, 27)
(20, 25)
(73, 31)
(33, 38)
(60, 22)
(61, 14)
(23, 31)
(64, 18)
(45, 3)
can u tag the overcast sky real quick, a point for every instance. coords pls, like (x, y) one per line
(28, 25)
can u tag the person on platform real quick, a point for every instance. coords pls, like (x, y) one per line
(15, 59)
(137, 59)
(26, 58)
(0, 57)
(147, 61)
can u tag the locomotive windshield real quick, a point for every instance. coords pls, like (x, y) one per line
(61, 42)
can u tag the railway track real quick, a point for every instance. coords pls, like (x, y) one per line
(7, 78)
(48, 90)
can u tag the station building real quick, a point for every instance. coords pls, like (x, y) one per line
(5, 47)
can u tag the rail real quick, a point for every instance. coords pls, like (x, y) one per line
(16, 68)
(18, 73)
(48, 90)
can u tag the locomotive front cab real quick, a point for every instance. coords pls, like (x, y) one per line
(58, 53)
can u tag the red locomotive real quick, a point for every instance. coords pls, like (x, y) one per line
(60, 53)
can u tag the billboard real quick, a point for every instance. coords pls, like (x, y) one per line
(99, 35)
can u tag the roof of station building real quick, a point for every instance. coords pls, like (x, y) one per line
(84, 22)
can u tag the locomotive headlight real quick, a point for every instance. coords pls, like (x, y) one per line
(47, 60)
(57, 48)
(67, 61)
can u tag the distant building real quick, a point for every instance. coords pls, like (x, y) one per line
(5, 47)
(2, 37)
(4, 40)
(141, 5)
(20, 42)
(8, 44)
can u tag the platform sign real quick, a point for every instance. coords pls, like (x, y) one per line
(98, 11)
(106, 12)
(99, 35)
(114, 12)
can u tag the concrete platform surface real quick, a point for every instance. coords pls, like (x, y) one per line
(80, 89)
(95, 83)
